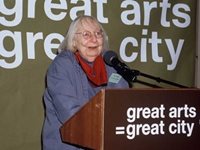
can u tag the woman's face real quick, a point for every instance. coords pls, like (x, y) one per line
(89, 40)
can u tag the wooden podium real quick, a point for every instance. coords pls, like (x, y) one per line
(138, 119)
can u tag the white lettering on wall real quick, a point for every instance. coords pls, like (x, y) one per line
(15, 53)
(148, 47)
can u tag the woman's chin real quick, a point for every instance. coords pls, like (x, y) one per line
(91, 59)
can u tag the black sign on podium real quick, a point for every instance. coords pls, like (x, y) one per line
(138, 119)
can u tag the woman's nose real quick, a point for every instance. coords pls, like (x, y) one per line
(93, 38)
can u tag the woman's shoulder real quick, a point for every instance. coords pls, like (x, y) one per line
(64, 60)
(65, 57)
(65, 54)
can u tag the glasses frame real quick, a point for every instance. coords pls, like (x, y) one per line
(88, 35)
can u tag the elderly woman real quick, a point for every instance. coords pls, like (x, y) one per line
(75, 75)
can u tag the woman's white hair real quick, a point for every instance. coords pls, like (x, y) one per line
(68, 42)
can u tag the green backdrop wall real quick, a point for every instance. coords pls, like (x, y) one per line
(155, 37)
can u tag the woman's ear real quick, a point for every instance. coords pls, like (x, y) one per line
(74, 44)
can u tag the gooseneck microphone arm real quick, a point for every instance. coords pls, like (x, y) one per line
(158, 79)
(110, 58)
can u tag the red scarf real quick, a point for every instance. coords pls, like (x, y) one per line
(97, 73)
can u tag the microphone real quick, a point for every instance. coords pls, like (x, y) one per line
(111, 58)
(130, 75)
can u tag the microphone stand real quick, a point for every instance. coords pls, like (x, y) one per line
(135, 73)
(130, 75)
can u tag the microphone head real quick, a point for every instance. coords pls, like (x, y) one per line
(108, 56)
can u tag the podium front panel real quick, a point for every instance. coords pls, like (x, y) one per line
(155, 119)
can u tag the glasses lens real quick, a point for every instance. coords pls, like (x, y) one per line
(99, 34)
(86, 34)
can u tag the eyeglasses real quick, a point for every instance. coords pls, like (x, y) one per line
(88, 35)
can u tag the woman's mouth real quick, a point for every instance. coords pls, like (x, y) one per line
(92, 47)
